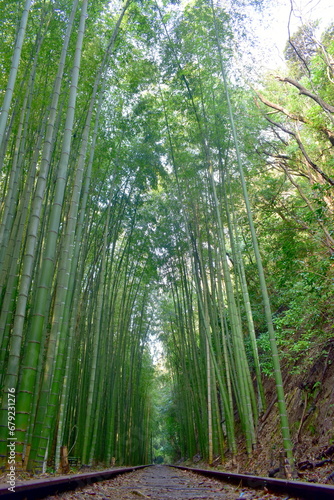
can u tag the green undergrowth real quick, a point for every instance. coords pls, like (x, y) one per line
(304, 321)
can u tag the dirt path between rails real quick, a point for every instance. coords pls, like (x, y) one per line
(164, 483)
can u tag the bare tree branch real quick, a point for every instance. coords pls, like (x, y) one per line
(302, 148)
(293, 45)
(278, 107)
(305, 91)
(328, 133)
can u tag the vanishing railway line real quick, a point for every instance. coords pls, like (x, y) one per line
(166, 483)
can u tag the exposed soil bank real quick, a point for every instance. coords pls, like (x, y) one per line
(310, 403)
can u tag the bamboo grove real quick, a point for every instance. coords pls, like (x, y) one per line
(124, 212)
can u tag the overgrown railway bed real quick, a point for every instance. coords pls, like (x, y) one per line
(165, 483)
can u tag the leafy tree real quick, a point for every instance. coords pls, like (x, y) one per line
(300, 49)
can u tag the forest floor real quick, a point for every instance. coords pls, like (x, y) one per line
(164, 483)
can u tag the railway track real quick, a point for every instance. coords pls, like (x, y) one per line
(299, 489)
(164, 483)
(41, 488)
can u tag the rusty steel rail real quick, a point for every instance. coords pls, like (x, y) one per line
(40, 488)
(300, 489)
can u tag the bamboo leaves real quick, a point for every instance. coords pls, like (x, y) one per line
(13, 71)
(51, 237)
(127, 190)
